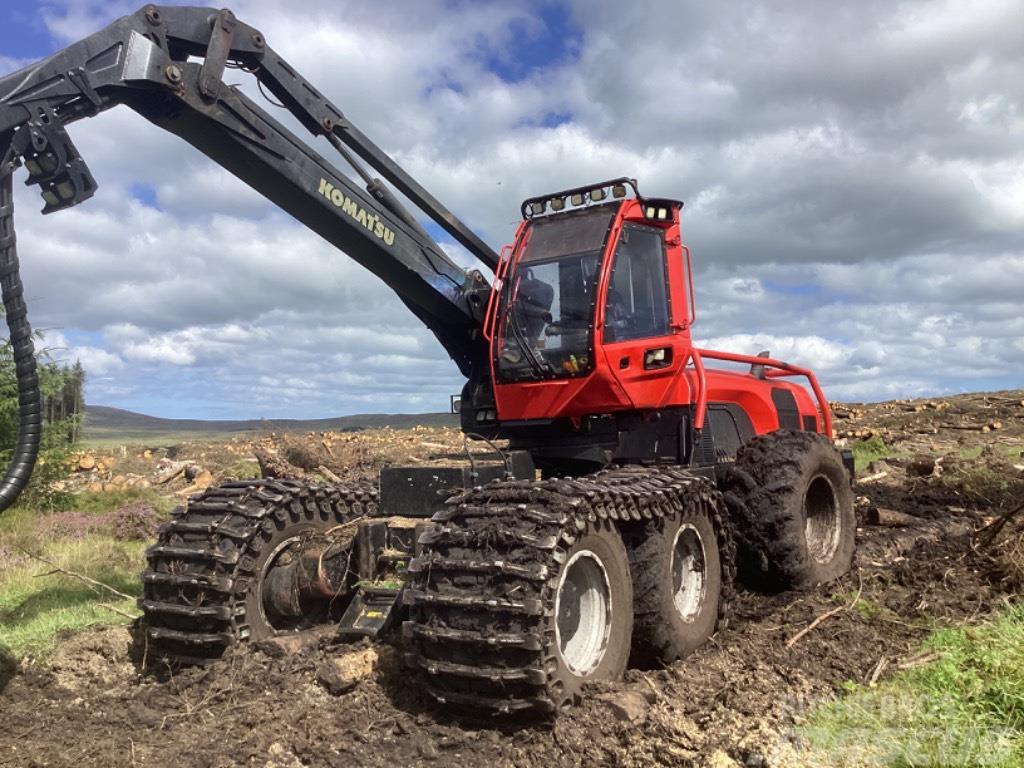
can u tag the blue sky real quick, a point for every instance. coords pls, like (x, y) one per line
(25, 34)
(852, 177)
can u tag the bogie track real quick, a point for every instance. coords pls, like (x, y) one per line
(201, 585)
(483, 626)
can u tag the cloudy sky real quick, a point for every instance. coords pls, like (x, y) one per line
(853, 175)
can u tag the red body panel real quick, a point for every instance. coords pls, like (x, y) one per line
(600, 393)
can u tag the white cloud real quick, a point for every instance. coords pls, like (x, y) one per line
(159, 352)
(97, 361)
(853, 179)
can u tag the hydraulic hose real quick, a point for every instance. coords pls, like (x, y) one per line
(30, 412)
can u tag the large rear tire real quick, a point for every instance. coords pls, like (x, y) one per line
(797, 526)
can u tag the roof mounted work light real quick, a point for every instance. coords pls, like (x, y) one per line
(591, 193)
(660, 210)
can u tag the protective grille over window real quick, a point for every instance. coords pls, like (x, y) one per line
(564, 235)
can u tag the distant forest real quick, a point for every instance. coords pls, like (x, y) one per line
(62, 387)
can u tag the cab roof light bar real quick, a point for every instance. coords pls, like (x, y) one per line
(578, 196)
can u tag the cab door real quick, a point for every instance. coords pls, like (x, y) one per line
(641, 339)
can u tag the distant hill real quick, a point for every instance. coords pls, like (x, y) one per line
(102, 421)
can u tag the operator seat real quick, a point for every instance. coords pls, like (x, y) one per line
(536, 298)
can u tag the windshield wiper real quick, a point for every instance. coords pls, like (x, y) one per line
(538, 364)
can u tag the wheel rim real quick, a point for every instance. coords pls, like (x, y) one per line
(689, 572)
(280, 623)
(821, 516)
(583, 609)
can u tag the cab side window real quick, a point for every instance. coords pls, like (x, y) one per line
(637, 302)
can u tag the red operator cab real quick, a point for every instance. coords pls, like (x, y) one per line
(592, 313)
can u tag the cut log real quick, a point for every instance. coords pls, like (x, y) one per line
(170, 473)
(433, 446)
(328, 474)
(891, 518)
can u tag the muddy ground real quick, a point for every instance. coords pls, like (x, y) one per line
(736, 701)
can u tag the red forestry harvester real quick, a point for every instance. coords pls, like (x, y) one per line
(635, 479)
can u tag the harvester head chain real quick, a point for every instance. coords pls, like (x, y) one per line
(483, 638)
(204, 561)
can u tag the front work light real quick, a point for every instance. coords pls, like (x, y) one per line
(657, 212)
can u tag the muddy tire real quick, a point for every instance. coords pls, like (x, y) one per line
(796, 527)
(204, 582)
(677, 586)
(546, 609)
(592, 620)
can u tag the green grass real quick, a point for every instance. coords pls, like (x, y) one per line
(964, 709)
(866, 451)
(37, 606)
(867, 609)
(1006, 451)
(104, 439)
(244, 469)
(107, 501)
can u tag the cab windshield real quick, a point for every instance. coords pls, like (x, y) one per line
(547, 308)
